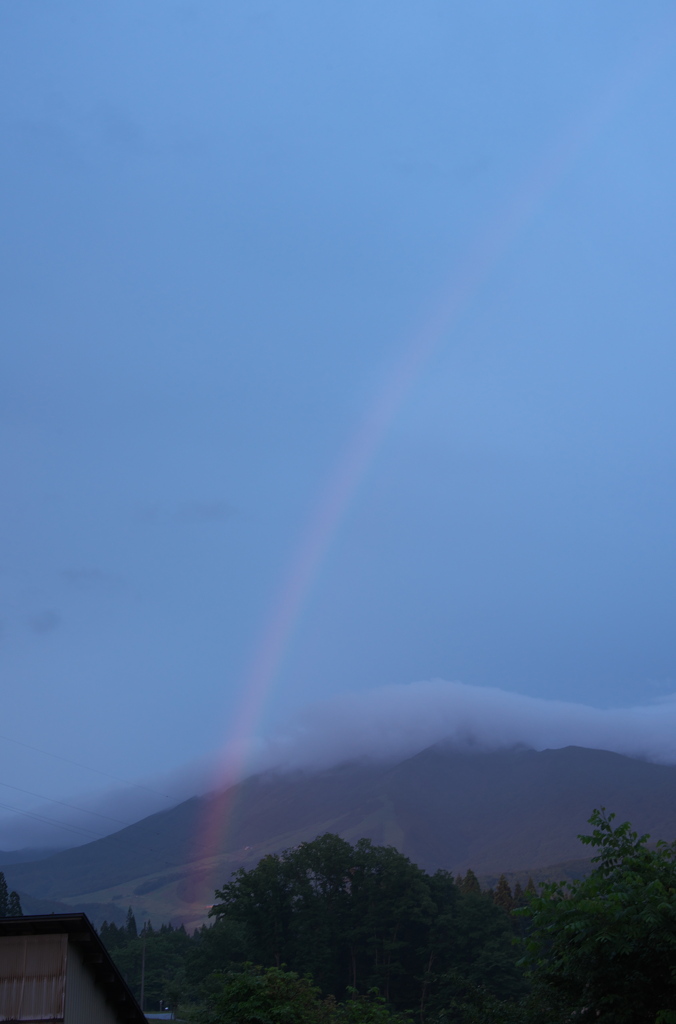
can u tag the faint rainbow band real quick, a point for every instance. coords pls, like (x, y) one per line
(359, 454)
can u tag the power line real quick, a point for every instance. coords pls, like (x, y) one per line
(58, 824)
(52, 800)
(75, 829)
(87, 767)
(81, 830)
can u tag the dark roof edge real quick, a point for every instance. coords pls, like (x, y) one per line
(97, 959)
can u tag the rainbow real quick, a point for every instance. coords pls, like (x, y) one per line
(343, 482)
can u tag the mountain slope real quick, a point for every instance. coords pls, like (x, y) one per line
(506, 811)
(509, 810)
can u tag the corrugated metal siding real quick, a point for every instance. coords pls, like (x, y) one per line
(32, 977)
(85, 1002)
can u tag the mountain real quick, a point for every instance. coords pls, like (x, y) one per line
(28, 853)
(516, 811)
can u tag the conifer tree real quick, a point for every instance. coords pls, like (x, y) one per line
(518, 896)
(14, 905)
(470, 883)
(132, 930)
(530, 888)
(502, 897)
(4, 896)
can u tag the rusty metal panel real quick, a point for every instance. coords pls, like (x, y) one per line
(33, 977)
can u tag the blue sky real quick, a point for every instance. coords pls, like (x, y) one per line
(222, 224)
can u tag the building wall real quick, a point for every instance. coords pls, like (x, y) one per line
(32, 977)
(85, 1002)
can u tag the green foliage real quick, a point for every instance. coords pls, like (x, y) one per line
(370, 1008)
(363, 917)
(606, 945)
(212, 949)
(502, 897)
(167, 952)
(257, 995)
(10, 904)
(477, 956)
(470, 883)
(113, 937)
(132, 930)
(273, 995)
(481, 1007)
(14, 905)
(370, 938)
(378, 936)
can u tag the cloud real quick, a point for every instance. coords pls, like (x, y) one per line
(84, 817)
(398, 721)
(387, 723)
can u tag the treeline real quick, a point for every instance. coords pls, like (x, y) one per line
(330, 933)
(363, 917)
(355, 919)
(176, 966)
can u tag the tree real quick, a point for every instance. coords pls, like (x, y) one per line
(132, 930)
(606, 945)
(364, 917)
(349, 916)
(14, 905)
(470, 883)
(261, 899)
(273, 995)
(4, 895)
(502, 897)
(10, 903)
(212, 949)
(166, 955)
(113, 937)
(257, 995)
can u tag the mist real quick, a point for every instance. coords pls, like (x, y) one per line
(387, 723)
(393, 722)
(89, 816)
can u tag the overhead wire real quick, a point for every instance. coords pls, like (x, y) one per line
(83, 831)
(79, 830)
(87, 767)
(51, 799)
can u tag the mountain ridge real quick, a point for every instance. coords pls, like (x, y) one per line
(516, 811)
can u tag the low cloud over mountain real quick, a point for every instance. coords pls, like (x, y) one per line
(382, 724)
(394, 721)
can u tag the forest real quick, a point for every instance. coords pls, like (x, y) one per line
(334, 933)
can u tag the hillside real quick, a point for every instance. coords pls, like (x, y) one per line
(514, 811)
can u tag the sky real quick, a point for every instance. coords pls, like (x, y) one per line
(337, 361)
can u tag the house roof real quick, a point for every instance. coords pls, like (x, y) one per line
(96, 957)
